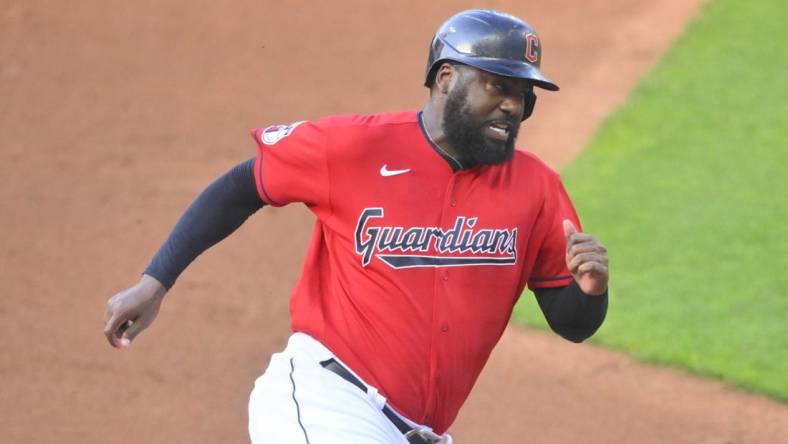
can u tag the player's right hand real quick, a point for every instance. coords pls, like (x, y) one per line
(132, 310)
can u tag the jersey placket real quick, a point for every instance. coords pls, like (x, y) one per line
(440, 323)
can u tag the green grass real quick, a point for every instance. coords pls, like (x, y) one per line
(687, 185)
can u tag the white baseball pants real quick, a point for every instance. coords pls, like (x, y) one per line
(297, 401)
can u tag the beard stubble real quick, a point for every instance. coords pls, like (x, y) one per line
(465, 133)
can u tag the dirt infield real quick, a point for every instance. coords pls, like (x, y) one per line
(114, 115)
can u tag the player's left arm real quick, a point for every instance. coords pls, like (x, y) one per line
(569, 312)
(586, 259)
(576, 311)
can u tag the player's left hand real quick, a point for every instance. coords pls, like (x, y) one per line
(586, 259)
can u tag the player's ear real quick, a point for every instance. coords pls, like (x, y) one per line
(444, 76)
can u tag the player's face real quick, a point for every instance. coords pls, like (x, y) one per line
(482, 116)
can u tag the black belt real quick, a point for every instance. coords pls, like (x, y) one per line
(411, 434)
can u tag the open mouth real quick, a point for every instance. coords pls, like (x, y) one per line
(499, 130)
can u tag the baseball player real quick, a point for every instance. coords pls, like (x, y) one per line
(429, 226)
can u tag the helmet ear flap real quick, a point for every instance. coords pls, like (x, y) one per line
(529, 103)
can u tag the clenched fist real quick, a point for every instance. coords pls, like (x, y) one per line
(586, 259)
(132, 310)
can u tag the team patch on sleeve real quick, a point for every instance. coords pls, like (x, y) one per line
(275, 133)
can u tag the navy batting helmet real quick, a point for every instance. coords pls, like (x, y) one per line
(492, 41)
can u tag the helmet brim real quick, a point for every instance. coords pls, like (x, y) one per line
(512, 68)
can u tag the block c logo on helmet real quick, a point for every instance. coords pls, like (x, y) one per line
(531, 51)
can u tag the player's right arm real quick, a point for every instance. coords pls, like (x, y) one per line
(217, 212)
(293, 161)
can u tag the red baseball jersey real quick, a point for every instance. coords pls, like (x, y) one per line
(413, 268)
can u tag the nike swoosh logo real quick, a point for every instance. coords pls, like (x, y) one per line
(385, 172)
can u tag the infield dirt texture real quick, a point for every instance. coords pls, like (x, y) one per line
(114, 115)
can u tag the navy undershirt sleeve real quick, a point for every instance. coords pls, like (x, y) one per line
(215, 214)
(571, 313)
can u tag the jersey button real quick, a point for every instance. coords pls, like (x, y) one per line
(445, 275)
(453, 203)
(444, 328)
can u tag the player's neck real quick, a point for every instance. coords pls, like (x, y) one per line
(432, 118)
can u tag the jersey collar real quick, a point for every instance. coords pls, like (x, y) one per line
(453, 163)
